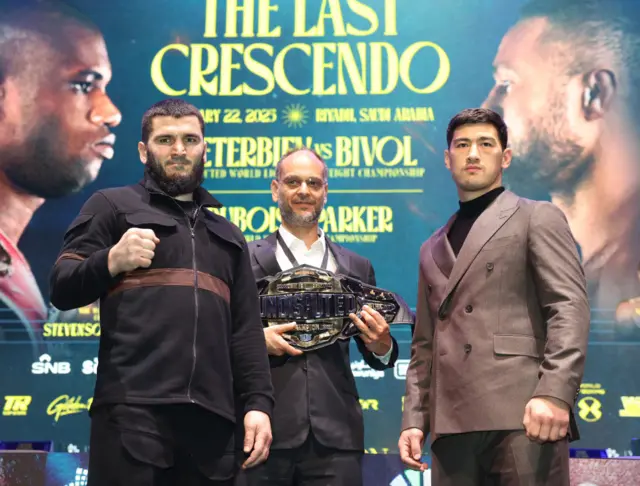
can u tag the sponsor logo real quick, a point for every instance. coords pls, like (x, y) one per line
(90, 367)
(590, 407)
(44, 366)
(72, 449)
(80, 478)
(71, 330)
(361, 369)
(400, 369)
(16, 405)
(373, 450)
(67, 405)
(369, 404)
(630, 407)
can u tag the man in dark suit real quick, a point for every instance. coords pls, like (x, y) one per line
(318, 430)
(501, 330)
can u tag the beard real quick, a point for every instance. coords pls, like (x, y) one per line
(546, 166)
(550, 160)
(293, 219)
(180, 183)
(38, 167)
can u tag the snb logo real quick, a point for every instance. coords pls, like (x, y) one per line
(80, 479)
(400, 369)
(90, 367)
(44, 366)
(412, 478)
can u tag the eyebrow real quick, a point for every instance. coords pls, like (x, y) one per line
(481, 139)
(87, 73)
(197, 135)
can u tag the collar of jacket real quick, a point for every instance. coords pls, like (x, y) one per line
(200, 195)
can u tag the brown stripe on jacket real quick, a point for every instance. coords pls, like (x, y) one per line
(171, 276)
(70, 256)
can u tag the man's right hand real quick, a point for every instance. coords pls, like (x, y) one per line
(410, 447)
(276, 344)
(134, 250)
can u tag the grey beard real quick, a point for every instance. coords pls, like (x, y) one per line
(297, 220)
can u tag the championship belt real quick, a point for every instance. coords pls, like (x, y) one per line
(320, 302)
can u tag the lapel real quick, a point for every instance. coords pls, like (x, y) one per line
(342, 259)
(490, 221)
(442, 252)
(265, 254)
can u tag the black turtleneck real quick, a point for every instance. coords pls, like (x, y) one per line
(189, 207)
(467, 215)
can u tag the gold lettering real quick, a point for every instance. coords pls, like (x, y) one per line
(335, 15)
(260, 70)
(248, 18)
(442, 75)
(358, 78)
(227, 67)
(210, 18)
(300, 20)
(264, 16)
(319, 66)
(390, 18)
(367, 13)
(280, 73)
(198, 72)
(157, 77)
(376, 68)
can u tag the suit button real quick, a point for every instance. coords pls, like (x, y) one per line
(490, 266)
(468, 309)
(467, 348)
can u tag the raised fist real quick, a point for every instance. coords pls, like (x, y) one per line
(134, 250)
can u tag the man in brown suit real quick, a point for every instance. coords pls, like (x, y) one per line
(501, 331)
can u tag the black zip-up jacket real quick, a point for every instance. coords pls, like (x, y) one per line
(162, 341)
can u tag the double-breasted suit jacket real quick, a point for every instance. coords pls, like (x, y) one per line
(505, 321)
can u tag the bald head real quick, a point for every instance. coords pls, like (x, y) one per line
(303, 151)
(300, 187)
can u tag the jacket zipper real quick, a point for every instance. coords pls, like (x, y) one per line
(195, 295)
(195, 286)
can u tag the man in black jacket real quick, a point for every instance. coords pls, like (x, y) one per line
(182, 350)
(317, 420)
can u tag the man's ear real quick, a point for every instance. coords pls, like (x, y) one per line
(142, 151)
(507, 157)
(599, 92)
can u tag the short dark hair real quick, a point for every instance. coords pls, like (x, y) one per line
(174, 107)
(26, 24)
(473, 116)
(596, 31)
(325, 171)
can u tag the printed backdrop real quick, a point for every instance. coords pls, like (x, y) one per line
(371, 85)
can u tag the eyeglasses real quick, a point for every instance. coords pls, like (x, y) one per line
(313, 183)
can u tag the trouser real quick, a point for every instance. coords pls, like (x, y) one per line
(498, 458)
(311, 464)
(161, 445)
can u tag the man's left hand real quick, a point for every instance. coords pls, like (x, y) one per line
(546, 419)
(257, 437)
(374, 330)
